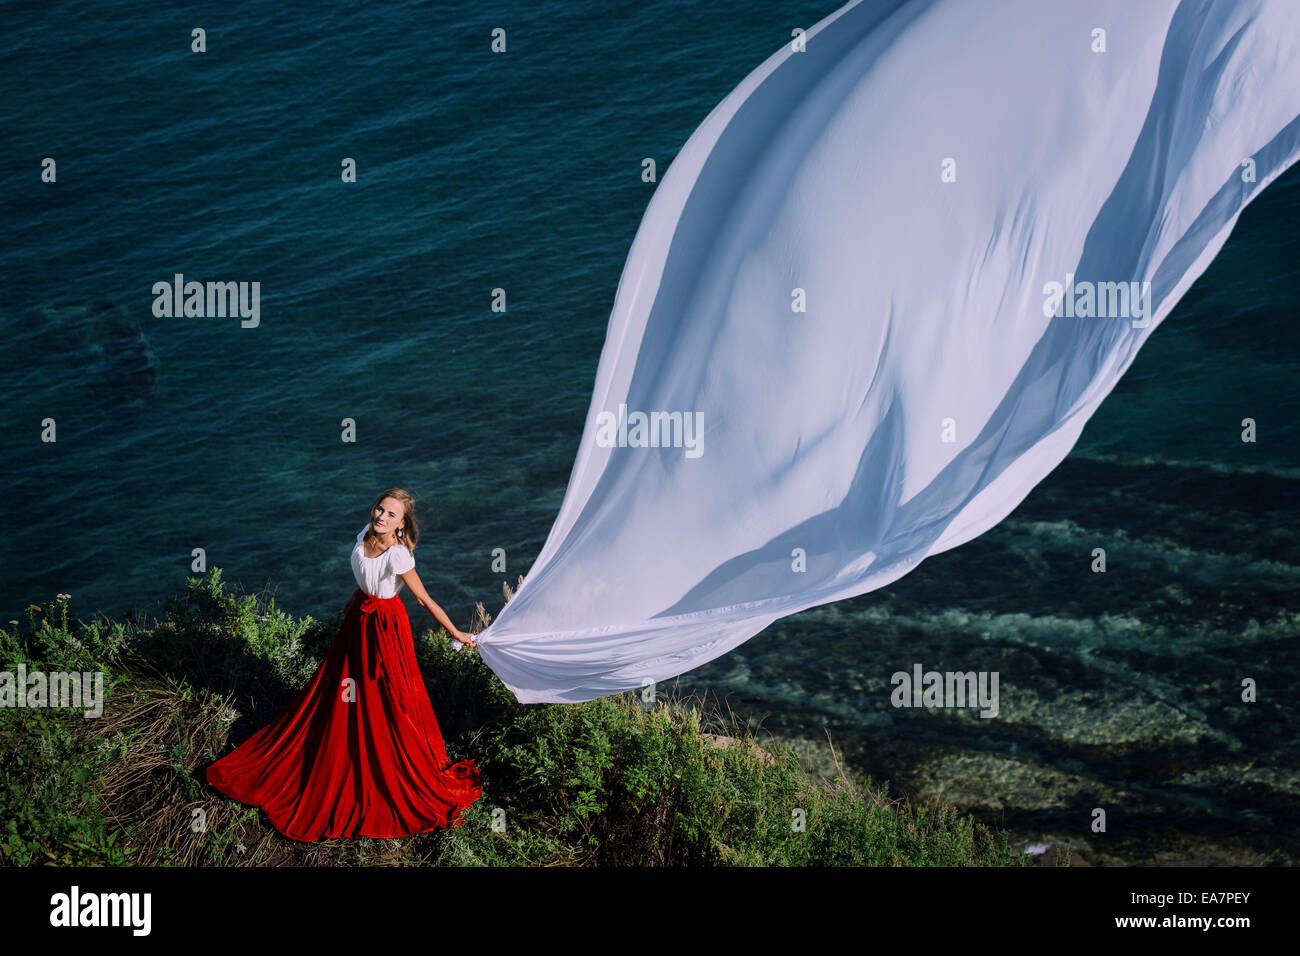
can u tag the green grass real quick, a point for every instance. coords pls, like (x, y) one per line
(611, 781)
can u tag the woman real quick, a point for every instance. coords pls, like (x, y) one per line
(358, 752)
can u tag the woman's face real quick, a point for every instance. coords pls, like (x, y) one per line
(388, 516)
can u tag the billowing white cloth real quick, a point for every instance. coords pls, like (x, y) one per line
(923, 172)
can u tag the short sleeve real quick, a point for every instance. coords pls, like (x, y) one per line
(402, 560)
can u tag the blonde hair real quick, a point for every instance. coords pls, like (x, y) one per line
(410, 535)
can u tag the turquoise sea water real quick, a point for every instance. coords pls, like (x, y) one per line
(522, 172)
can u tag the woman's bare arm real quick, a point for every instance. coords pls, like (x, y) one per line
(422, 598)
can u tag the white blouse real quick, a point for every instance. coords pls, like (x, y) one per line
(378, 576)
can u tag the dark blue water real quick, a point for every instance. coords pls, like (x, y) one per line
(521, 171)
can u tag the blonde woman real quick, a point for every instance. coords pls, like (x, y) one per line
(359, 752)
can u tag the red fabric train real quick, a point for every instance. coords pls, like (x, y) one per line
(358, 752)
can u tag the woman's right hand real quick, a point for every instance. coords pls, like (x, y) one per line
(467, 639)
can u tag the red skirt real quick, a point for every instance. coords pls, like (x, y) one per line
(358, 752)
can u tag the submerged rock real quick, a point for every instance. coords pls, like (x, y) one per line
(102, 348)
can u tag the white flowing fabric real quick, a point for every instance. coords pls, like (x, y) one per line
(922, 172)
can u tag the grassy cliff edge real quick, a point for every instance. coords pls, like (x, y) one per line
(611, 782)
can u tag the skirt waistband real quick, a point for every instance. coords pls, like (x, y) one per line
(370, 602)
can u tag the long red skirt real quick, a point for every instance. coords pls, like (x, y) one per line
(358, 752)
